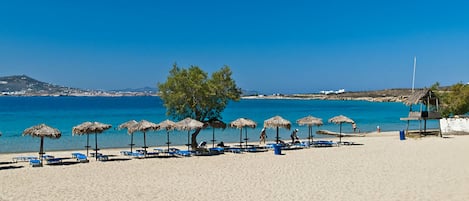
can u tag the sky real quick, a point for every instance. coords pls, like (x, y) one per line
(271, 46)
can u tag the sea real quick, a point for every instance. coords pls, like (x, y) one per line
(63, 113)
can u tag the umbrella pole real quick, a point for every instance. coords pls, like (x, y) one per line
(145, 143)
(87, 144)
(277, 135)
(213, 138)
(340, 133)
(41, 148)
(246, 135)
(167, 136)
(96, 145)
(131, 142)
(241, 138)
(310, 129)
(188, 140)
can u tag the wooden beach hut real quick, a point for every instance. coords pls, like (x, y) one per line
(428, 104)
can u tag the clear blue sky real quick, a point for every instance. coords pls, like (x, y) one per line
(271, 46)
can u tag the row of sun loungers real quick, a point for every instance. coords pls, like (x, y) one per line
(174, 152)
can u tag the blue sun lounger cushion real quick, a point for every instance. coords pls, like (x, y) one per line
(81, 157)
(35, 163)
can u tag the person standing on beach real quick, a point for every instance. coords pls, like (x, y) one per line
(263, 136)
(354, 127)
(294, 136)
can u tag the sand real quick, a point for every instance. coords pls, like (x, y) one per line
(383, 168)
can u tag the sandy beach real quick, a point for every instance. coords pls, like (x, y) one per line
(382, 168)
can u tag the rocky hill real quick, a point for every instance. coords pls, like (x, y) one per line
(24, 85)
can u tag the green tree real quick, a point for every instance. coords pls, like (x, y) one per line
(454, 99)
(191, 93)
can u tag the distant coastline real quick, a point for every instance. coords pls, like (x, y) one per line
(22, 85)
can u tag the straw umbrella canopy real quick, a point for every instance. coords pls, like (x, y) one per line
(188, 124)
(215, 123)
(143, 126)
(167, 125)
(240, 123)
(127, 125)
(42, 130)
(340, 120)
(310, 121)
(277, 122)
(87, 128)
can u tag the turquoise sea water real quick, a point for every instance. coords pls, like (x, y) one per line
(19, 113)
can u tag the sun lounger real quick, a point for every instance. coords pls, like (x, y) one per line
(51, 161)
(103, 157)
(185, 153)
(35, 163)
(80, 157)
(217, 150)
(235, 150)
(24, 158)
(324, 143)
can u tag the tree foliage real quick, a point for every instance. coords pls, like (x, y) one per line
(191, 93)
(454, 99)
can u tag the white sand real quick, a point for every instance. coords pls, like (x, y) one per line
(383, 168)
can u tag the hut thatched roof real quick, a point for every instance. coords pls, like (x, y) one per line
(420, 96)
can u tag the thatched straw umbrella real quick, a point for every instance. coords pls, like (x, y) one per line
(167, 125)
(127, 125)
(277, 122)
(189, 124)
(310, 121)
(42, 130)
(215, 123)
(240, 123)
(87, 128)
(143, 126)
(339, 120)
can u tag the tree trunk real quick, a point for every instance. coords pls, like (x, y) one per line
(194, 138)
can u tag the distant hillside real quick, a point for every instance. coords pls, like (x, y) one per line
(24, 85)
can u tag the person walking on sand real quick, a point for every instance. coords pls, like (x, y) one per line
(294, 136)
(354, 127)
(263, 136)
